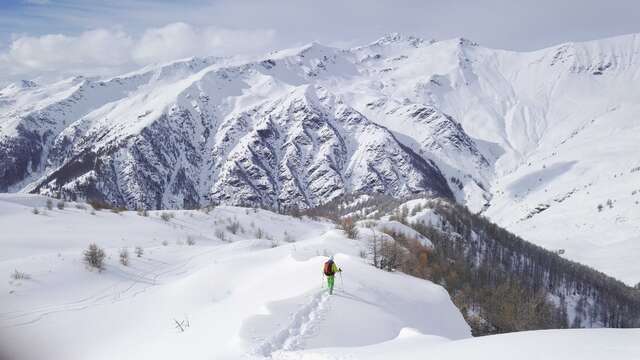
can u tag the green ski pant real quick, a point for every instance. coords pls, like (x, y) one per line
(330, 280)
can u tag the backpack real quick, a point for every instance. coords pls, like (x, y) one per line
(328, 268)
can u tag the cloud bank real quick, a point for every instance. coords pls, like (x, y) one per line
(94, 37)
(109, 51)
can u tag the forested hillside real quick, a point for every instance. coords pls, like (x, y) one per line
(501, 282)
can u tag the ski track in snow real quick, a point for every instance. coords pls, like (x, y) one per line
(111, 294)
(302, 324)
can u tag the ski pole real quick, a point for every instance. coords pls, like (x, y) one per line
(341, 281)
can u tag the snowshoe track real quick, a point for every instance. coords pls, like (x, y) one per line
(302, 324)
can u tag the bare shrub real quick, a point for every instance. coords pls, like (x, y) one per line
(259, 233)
(98, 205)
(220, 234)
(182, 325)
(369, 224)
(60, 205)
(94, 257)
(349, 227)
(35, 211)
(288, 238)
(165, 243)
(142, 212)
(233, 227)
(19, 275)
(49, 204)
(191, 241)
(139, 251)
(167, 216)
(124, 256)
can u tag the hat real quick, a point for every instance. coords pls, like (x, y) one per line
(331, 257)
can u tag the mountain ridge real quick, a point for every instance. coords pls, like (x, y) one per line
(505, 133)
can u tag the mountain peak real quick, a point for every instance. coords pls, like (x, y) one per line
(395, 38)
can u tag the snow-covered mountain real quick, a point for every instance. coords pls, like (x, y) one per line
(535, 140)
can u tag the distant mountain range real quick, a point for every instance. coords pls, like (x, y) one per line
(545, 143)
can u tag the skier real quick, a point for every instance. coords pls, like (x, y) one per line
(330, 269)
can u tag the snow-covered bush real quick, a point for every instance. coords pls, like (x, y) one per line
(49, 204)
(35, 211)
(94, 257)
(139, 251)
(191, 241)
(165, 243)
(60, 205)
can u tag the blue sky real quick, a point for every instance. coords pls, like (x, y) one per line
(97, 37)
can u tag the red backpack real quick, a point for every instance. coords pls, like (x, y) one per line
(328, 268)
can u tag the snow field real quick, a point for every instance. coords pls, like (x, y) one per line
(243, 297)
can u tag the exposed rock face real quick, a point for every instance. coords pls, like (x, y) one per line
(302, 126)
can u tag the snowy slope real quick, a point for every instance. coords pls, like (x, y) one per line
(535, 140)
(251, 295)
(531, 345)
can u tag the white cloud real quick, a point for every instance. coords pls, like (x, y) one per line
(53, 52)
(107, 51)
(179, 40)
